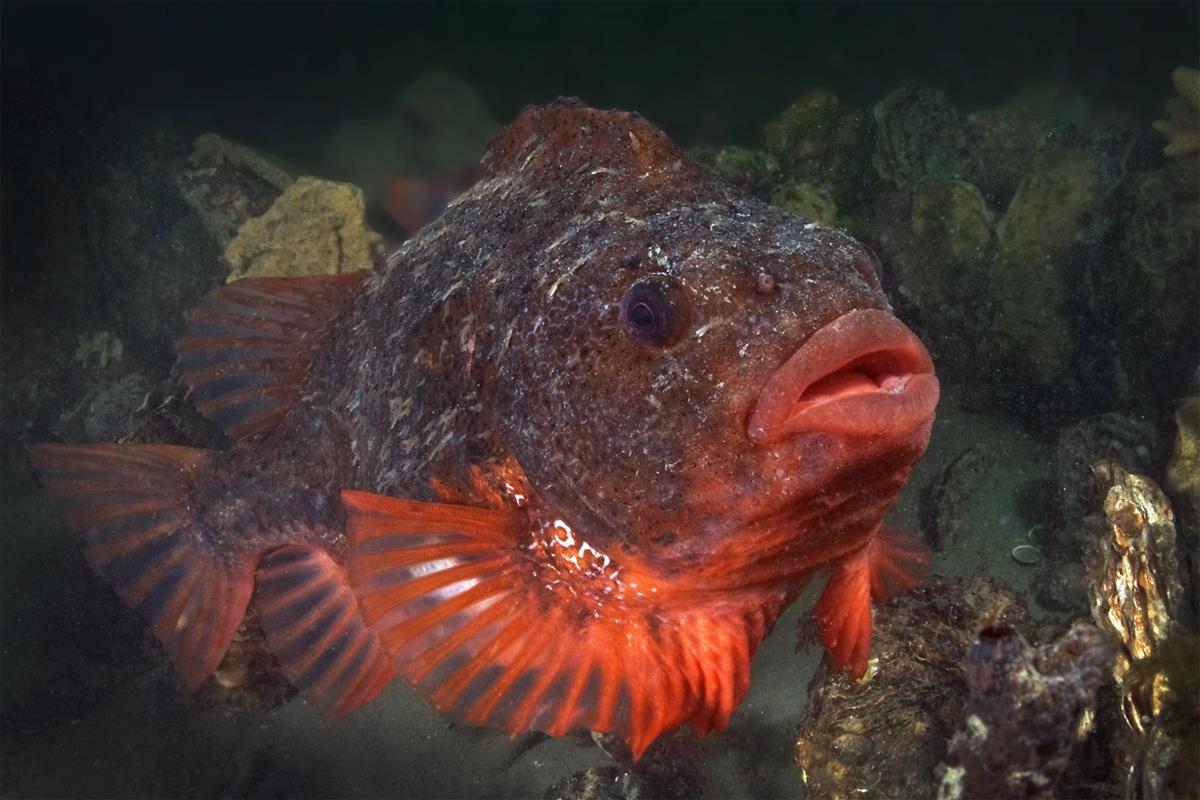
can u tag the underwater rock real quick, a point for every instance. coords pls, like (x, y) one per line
(1059, 205)
(1130, 442)
(316, 227)
(806, 200)
(1062, 587)
(1133, 575)
(752, 170)
(943, 502)
(1136, 594)
(151, 253)
(669, 770)
(436, 124)
(820, 143)
(249, 677)
(939, 251)
(1153, 293)
(1028, 710)
(919, 138)
(103, 413)
(1003, 140)
(884, 735)
(1183, 470)
(1182, 123)
(229, 183)
(596, 783)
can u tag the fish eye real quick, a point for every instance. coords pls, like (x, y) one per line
(656, 310)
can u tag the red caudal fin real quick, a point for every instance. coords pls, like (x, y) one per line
(549, 636)
(129, 500)
(248, 346)
(314, 628)
(889, 563)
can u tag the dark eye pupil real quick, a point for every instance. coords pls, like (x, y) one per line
(656, 310)
(641, 315)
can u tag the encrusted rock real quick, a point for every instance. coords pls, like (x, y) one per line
(883, 737)
(943, 502)
(228, 183)
(752, 170)
(806, 200)
(1027, 712)
(1136, 595)
(316, 227)
(820, 142)
(1133, 443)
(919, 138)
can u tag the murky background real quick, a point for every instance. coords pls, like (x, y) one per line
(1000, 158)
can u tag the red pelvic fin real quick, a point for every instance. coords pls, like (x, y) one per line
(501, 632)
(314, 627)
(889, 563)
(129, 502)
(248, 346)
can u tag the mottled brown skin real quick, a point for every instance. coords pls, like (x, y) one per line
(495, 334)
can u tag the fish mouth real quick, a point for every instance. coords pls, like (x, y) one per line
(863, 375)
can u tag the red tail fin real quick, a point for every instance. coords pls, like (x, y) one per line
(519, 639)
(129, 502)
(890, 562)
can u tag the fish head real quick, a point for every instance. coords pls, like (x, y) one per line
(680, 377)
(688, 361)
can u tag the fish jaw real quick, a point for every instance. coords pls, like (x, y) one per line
(864, 375)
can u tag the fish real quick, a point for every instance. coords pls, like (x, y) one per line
(559, 461)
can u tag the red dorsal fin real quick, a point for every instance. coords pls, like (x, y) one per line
(889, 563)
(129, 502)
(503, 635)
(314, 628)
(248, 346)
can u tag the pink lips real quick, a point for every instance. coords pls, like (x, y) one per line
(864, 374)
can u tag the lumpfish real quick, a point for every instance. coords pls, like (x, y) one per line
(559, 461)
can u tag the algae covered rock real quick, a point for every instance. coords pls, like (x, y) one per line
(752, 170)
(806, 200)
(940, 257)
(919, 138)
(820, 142)
(1062, 206)
(316, 227)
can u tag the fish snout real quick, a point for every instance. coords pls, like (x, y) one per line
(863, 375)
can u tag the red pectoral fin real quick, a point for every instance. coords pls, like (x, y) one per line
(129, 500)
(499, 633)
(889, 563)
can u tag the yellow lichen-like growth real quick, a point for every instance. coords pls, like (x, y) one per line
(1182, 124)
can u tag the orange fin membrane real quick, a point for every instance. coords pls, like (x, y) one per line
(248, 346)
(496, 634)
(891, 562)
(314, 628)
(129, 502)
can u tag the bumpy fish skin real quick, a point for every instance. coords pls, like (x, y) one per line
(477, 473)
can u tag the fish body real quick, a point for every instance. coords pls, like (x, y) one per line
(560, 461)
